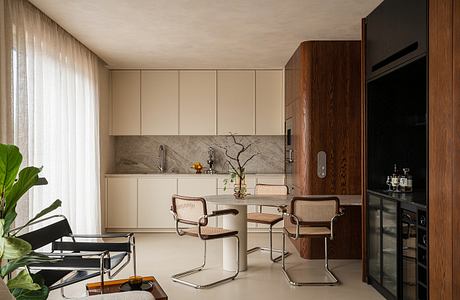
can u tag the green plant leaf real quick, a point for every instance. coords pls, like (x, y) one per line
(10, 161)
(23, 294)
(28, 177)
(26, 260)
(56, 204)
(14, 248)
(23, 281)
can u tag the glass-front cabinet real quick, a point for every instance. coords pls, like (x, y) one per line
(374, 240)
(383, 243)
(389, 245)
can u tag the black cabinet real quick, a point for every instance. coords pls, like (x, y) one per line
(396, 33)
(397, 253)
(383, 244)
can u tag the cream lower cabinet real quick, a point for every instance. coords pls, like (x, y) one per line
(154, 202)
(143, 202)
(122, 202)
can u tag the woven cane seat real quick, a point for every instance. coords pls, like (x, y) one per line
(264, 218)
(209, 233)
(317, 231)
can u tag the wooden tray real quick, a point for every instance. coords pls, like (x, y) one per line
(113, 286)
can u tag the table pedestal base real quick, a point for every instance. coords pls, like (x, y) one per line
(239, 223)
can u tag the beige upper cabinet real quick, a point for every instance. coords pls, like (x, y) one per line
(235, 102)
(197, 108)
(126, 102)
(160, 102)
(269, 102)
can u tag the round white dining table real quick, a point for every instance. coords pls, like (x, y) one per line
(239, 222)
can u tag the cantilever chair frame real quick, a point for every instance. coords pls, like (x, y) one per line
(102, 255)
(298, 224)
(203, 221)
(270, 230)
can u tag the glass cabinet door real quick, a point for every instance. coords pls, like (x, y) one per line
(389, 245)
(373, 236)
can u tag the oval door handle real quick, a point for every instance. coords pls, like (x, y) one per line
(322, 164)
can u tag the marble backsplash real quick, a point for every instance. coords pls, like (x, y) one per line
(140, 154)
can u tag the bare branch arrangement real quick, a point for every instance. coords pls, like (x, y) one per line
(237, 173)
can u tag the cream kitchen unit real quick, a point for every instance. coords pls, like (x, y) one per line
(142, 201)
(197, 102)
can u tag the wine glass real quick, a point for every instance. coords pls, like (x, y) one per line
(389, 184)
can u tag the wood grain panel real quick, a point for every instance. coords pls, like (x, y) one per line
(456, 154)
(440, 149)
(323, 99)
(363, 150)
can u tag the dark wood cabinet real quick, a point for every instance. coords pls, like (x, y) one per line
(395, 112)
(322, 98)
(396, 34)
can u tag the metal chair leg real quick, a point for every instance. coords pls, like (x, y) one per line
(270, 249)
(177, 277)
(326, 268)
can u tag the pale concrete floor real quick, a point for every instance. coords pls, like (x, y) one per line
(163, 254)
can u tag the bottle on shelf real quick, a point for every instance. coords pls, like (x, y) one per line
(407, 178)
(395, 179)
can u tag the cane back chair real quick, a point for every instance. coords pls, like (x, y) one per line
(192, 211)
(269, 219)
(311, 217)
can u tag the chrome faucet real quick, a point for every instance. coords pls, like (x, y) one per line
(162, 156)
(211, 161)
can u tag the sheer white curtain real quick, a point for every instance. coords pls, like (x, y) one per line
(55, 98)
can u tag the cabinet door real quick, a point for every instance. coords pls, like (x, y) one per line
(235, 102)
(160, 102)
(126, 102)
(199, 187)
(121, 202)
(197, 103)
(373, 237)
(269, 102)
(389, 245)
(154, 202)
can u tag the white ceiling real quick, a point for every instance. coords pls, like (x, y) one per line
(204, 33)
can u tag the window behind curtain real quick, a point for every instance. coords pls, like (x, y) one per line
(55, 98)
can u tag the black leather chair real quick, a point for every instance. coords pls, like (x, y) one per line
(77, 260)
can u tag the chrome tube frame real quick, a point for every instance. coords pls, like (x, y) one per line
(270, 248)
(329, 273)
(102, 255)
(178, 277)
